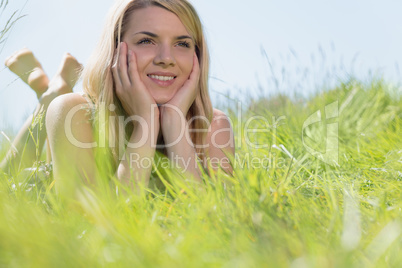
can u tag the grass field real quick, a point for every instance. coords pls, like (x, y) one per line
(283, 207)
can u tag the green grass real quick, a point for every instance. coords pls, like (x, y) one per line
(296, 212)
(10, 21)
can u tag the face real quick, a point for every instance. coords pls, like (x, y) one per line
(164, 50)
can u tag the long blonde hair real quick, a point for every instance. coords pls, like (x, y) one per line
(98, 80)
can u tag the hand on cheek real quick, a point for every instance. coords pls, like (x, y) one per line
(185, 96)
(129, 87)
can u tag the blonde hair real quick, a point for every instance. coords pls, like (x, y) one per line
(98, 80)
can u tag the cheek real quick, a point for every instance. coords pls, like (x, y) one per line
(144, 57)
(186, 63)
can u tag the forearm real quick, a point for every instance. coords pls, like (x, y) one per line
(180, 148)
(184, 155)
(136, 166)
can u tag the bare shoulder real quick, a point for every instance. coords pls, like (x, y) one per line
(220, 132)
(219, 120)
(220, 141)
(70, 112)
(67, 104)
(217, 113)
(67, 101)
(219, 117)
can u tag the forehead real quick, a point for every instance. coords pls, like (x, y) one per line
(157, 20)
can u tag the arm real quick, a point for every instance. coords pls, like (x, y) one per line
(178, 143)
(133, 168)
(71, 141)
(71, 134)
(139, 105)
(220, 139)
(220, 143)
(175, 128)
(72, 144)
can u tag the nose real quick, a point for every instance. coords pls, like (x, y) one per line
(164, 56)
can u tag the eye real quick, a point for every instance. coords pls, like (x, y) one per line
(145, 41)
(184, 44)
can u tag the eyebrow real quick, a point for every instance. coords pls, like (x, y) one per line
(155, 35)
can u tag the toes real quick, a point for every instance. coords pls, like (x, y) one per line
(7, 60)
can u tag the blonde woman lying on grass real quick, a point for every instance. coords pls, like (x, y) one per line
(146, 90)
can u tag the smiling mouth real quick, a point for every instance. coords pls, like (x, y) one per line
(161, 78)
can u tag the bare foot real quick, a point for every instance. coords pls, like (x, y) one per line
(66, 77)
(24, 64)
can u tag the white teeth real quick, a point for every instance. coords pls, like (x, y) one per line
(162, 78)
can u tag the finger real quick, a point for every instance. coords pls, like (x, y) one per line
(122, 65)
(188, 91)
(133, 68)
(136, 79)
(115, 73)
(195, 73)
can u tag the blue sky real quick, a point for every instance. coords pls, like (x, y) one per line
(305, 43)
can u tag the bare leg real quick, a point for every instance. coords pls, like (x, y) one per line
(31, 137)
(65, 78)
(24, 64)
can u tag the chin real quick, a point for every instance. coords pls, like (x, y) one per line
(162, 96)
(162, 99)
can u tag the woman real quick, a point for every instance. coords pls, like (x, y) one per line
(147, 82)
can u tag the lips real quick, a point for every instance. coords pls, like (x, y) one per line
(162, 79)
